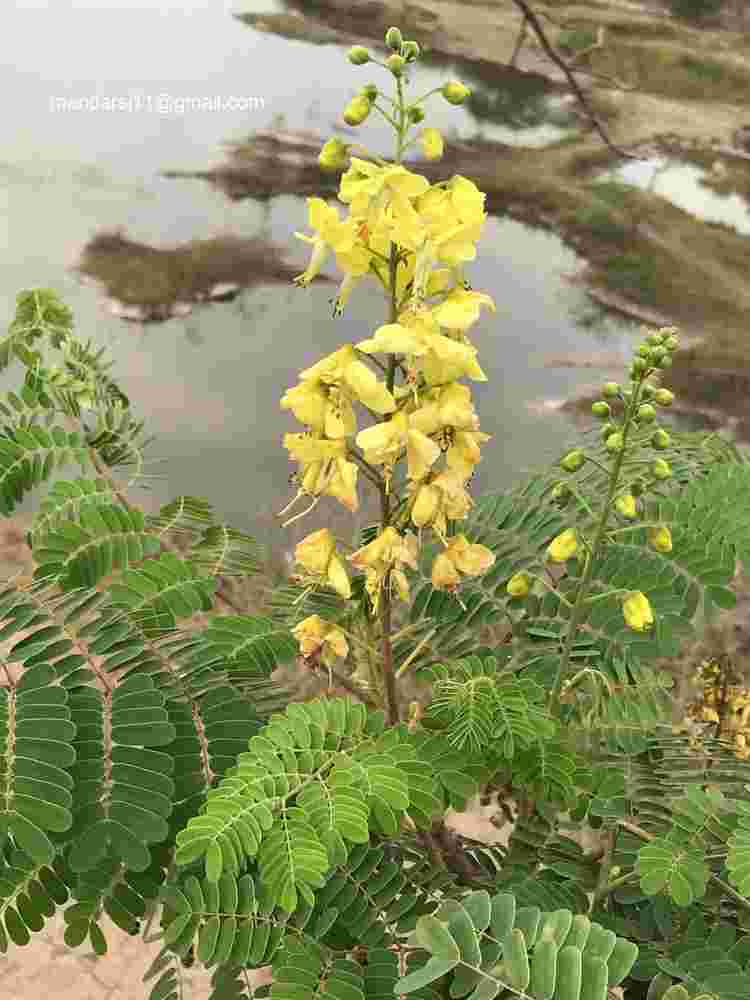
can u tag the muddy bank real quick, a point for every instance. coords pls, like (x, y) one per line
(148, 284)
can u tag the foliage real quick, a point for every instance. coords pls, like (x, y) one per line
(157, 770)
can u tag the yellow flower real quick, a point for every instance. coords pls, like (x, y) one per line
(626, 506)
(432, 144)
(467, 201)
(315, 634)
(464, 452)
(661, 539)
(460, 309)
(364, 181)
(637, 612)
(333, 155)
(564, 546)
(426, 504)
(324, 468)
(317, 554)
(344, 369)
(461, 557)
(385, 556)
(439, 358)
(331, 232)
(518, 585)
(308, 402)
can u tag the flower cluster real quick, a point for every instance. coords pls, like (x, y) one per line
(396, 398)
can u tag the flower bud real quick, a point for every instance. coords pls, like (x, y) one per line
(661, 469)
(394, 39)
(646, 413)
(615, 442)
(610, 390)
(637, 612)
(661, 539)
(639, 366)
(455, 92)
(637, 487)
(600, 409)
(645, 351)
(370, 91)
(573, 460)
(563, 547)
(395, 64)
(660, 440)
(663, 397)
(415, 114)
(357, 110)
(426, 505)
(671, 343)
(410, 51)
(333, 156)
(358, 55)
(654, 339)
(626, 506)
(608, 429)
(561, 492)
(432, 143)
(648, 391)
(657, 353)
(518, 585)
(665, 362)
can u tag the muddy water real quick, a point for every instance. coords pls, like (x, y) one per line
(209, 385)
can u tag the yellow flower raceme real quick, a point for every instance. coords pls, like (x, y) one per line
(432, 143)
(325, 409)
(637, 612)
(564, 546)
(344, 369)
(661, 539)
(315, 635)
(365, 181)
(460, 558)
(383, 443)
(317, 554)
(385, 556)
(324, 468)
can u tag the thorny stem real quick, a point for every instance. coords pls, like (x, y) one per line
(580, 604)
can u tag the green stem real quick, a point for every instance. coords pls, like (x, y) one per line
(580, 606)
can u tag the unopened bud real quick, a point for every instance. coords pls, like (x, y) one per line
(626, 506)
(646, 413)
(653, 339)
(661, 539)
(395, 64)
(637, 487)
(416, 114)
(610, 390)
(370, 91)
(615, 442)
(660, 440)
(410, 51)
(639, 366)
(394, 39)
(358, 55)
(657, 353)
(357, 110)
(518, 585)
(600, 409)
(333, 156)
(644, 350)
(665, 362)
(671, 343)
(560, 493)
(648, 391)
(661, 469)
(573, 460)
(664, 397)
(455, 92)
(608, 429)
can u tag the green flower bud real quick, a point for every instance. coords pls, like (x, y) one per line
(370, 91)
(573, 460)
(560, 492)
(394, 39)
(657, 353)
(333, 156)
(644, 351)
(627, 395)
(357, 110)
(626, 506)
(455, 92)
(665, 362)
(639, 366)
(671, 343)
(395, 64)
(646, 413)
(416, 114)
(600, 409)
(608, 429)
(648, 391)
(610, 390)
(661, 469)
(410, 51)
(615, 442)
(358, 55)
(518, 585)
(664, 397)
(660, 440)
(654, 339)
(637, 487)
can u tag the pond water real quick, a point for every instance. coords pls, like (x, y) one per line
(209, 385)
(680, 183)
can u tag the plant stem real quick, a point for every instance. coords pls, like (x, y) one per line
(579, 605)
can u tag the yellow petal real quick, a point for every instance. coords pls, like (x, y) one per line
(315, 551)
(307, 402)
(392, 339)
(637, 612)
(626, 505)
(472, 559)
(444, 573)
(661, 539)
(421, 454)
(342, 484)
(339, 578)
(367, 389)
(564, 546)
(425, 505)
(336, 642)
